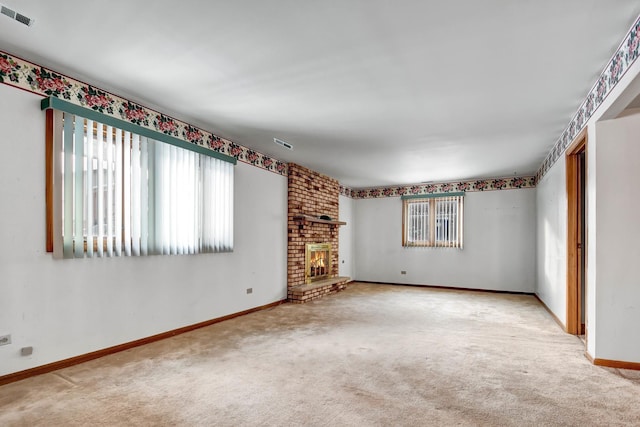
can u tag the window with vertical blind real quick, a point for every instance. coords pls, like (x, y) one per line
(433, 220)
(119, 190)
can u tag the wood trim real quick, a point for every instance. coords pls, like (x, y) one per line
(572, 252)
(619, 364)
(553, 315)
(579, 143)
(573, 227)
(48, 156)
(39, 370)
(313, 219)
(608, 363)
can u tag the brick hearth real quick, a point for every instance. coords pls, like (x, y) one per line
(315, 290)
(313, 194)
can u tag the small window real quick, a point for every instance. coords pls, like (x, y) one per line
(432, 220)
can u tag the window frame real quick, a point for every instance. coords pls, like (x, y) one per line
(432, 229)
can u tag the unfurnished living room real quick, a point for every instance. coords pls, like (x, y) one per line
(310, 213)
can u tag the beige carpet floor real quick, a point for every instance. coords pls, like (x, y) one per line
(373, 355)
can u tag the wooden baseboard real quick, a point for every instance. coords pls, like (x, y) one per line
(620, 364)
(39, 370)
(453, 288)
(551, 313)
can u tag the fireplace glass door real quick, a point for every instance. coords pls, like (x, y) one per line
(317, 261)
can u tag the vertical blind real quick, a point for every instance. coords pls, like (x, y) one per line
(417, 222)
(433, 221)
(124, 194)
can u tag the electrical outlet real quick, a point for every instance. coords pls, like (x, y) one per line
(403, 272)
(5, 339)
(26, 351)
(249, 290)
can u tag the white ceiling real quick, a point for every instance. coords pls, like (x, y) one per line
(371, 92)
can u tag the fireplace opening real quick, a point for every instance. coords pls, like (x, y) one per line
(317, 262)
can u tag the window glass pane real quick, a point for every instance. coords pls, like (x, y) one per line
(433, 221)
(137, 196)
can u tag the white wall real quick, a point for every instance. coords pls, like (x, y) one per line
(64, 308)
(551, 224)
(346, 238)
(617, 282)
(498, 254)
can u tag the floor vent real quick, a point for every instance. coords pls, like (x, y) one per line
(16, 16)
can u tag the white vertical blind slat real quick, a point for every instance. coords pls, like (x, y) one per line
(78, 187)
(166, 206)
(454, 222)
(178, 194)
(230, 201)
(193, 201)
(450, 218)
(144, 196)
(223, 205)
(208, 197)
(100, 193)
(215, 176)
(162, 198)
(173, 215)
(414, 212)
(67, 228)
(118, 206)
(182, 199)
(109, 146)
(135, 194)
(217, 207)
(447, 227)
(420, 216)
(90, 214)
(460, 224)
(440, 209)
(199, 196)
(126, 193)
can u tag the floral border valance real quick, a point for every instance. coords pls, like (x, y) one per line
(444, 187)
(25, 75)
(62, 105)
(625, 56)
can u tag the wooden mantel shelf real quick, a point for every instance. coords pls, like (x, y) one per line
(309, 218)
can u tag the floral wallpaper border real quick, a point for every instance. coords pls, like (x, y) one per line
(39, 80)
(31, 77)
(510, 183)
(625, 56)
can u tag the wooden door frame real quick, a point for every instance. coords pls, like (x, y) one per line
(574, 291)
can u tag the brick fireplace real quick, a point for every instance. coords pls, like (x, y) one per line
(312, 219)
